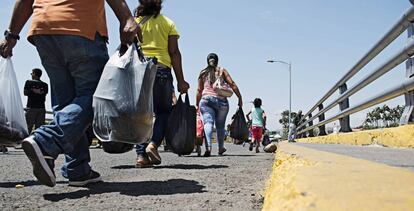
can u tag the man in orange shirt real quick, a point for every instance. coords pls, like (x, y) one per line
(70, 37)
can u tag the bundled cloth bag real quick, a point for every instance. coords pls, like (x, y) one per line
(123, 100)
(238, 127)
(13, 127)
(181, 130)
(270, 148)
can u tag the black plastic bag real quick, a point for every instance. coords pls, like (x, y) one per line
(238, 127)
(116, 147)
(181, 130)
(266, 140)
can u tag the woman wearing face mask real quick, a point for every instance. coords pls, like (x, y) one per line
(212, 103)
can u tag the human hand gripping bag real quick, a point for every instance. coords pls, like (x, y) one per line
(238, 127)
(181, 130)
(123, 100)
(13, 127)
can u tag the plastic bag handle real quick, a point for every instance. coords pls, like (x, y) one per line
(123, 48)
(187, 99)
(139, 50)
(180, 99)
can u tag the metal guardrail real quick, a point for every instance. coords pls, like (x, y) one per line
(404, 23)
(394, 92)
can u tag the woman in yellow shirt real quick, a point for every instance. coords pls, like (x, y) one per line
(160, 40)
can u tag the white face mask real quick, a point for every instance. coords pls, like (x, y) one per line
(212, 62)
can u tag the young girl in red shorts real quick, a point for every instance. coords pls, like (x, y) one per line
(258, 117)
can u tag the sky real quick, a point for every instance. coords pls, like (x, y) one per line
(322, 38)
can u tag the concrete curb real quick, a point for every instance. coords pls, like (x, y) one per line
(306, 179)
(391, 137)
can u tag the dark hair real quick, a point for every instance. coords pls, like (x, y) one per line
(212, 56)
(209, 71)
(148, 8)
(257, 102)
(37, 72)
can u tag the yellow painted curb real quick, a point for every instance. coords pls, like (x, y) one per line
(391, 137)
(306, 179)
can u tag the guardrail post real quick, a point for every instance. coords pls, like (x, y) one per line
(310, 132)
(344, 122)
(408, 114)
(322, 131)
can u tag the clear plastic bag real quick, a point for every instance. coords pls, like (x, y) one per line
(13, 127)
(123, 100)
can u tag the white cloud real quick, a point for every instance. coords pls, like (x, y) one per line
(270, 17)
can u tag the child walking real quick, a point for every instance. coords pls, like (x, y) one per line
(258, 118)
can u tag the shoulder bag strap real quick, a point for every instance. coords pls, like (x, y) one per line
(221, 75)
(136, 41)
(143, 21)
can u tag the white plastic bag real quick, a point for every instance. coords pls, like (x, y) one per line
(13, 127)
(123, 100)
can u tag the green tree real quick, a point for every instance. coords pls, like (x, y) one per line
(383, 116)
(386, 115)
(284, 121)
(376, 116)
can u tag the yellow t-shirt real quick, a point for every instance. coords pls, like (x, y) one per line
(155, 33)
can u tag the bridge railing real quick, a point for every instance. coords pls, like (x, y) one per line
(406, 87)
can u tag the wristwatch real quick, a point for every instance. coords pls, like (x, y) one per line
(8, 35)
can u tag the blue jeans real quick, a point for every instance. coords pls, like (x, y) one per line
(214, 111)
(74, 65)
(162, 90)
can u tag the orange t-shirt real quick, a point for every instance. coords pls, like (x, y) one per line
(69, 17)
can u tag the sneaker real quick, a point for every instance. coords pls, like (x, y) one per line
(152, 152)
(251, 146)
(207, 153)
(92, 177)
(222, 151)
(143, 162)
(42, 165)
(4, 149)
(167, 148)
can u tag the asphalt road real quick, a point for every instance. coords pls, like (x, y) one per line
(403, 158)
(231, 182)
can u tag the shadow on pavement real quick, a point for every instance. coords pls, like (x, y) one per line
(191, 167)
(230, 155)
(169, 187)
(405, 166)
(124, 167)
(177, 166)
(25, 183)
(218, 156)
